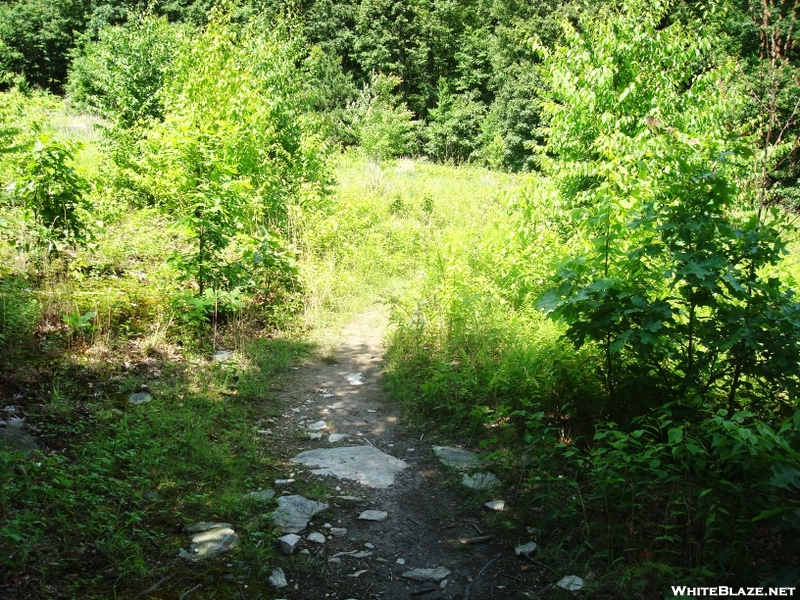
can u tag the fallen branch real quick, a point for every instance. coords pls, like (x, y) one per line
(155, 586)
(477, 540)
(536, 562)
(471, 583)
(186, 594)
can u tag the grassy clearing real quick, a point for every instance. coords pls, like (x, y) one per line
(387, 223)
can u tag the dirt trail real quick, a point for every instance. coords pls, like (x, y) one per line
(429, 511)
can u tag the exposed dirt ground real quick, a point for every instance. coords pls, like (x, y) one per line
(430, 514)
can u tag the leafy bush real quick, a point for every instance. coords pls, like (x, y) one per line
(36, 37)
(120, 74)
(454, 126)
(235, 158)
(49, 188)
(510, 130)
(671, 279)
(382, 125)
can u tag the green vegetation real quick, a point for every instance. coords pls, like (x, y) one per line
(617, 324)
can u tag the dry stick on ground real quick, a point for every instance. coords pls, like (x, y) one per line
(471, 583)
(536, 562)
(155, 586)
(187, 593)
(477, 540)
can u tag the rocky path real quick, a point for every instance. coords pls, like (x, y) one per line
(398, 523)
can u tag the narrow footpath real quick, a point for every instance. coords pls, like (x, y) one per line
(399, 522)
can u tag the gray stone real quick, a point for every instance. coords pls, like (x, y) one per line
(210, 540)
(457, 458)
(571, 583)
(338, 437)
(259, 495)
(152, 496)
(288, 543)
(481, 481)
(362, 554)
(294, 513)
(338, 531)
(14, 437)
(373, 515)
(357, 573)
(317, 426)
(365, 464)
(497, 505)
(315, 436)
(139, 398)
(222, 355)
(436, 574)
(525, 549)
(316, 537)
(205, 526)
(355, 379)
(283, 481)
(278, 578)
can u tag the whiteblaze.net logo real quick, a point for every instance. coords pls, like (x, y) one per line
(723, 591)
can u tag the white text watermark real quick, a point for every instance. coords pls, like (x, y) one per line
(724, 591)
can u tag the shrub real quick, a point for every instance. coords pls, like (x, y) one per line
(383, 126)
(120, 74)
(235, 158)
(454, 126)
(52, 192)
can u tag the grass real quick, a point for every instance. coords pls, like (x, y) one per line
(120, 481)
(387, 221)
(100, 511)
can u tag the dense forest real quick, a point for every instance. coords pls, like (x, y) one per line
(581, 214)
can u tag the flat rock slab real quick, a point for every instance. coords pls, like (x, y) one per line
(222, 355)
(497, 505)
(365, 464)
(355, 379)
(571, 583)
(139, 398)
(294, 513)
(436, 574)
(316, 537)
(373, 515)
(288, 543)
(14, 437)
(338, 437)
(210, 540)
(525, 549)
(457, 458)
(278, 578)
(259, 495)
(481, 481)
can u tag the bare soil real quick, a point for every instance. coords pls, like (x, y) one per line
(431, 516)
